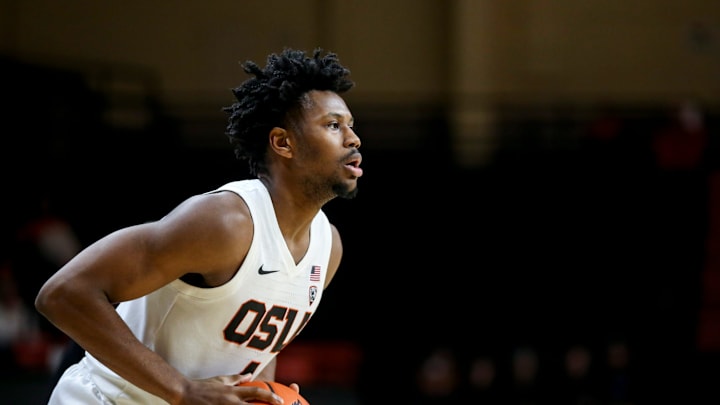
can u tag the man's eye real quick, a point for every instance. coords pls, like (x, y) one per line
(334, 125)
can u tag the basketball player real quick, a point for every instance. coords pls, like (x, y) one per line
(208, 295)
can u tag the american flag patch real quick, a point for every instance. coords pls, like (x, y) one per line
(315, 273)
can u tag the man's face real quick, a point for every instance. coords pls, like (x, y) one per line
(325, 150)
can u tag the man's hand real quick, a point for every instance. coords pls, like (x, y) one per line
(223, 390)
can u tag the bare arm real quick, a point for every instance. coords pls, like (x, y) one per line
(208, 235)
(335, 255)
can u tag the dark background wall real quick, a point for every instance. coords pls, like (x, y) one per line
(513, 193)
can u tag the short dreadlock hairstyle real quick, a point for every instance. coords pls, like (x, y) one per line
(264, 100)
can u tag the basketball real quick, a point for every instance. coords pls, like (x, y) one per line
(289, 395)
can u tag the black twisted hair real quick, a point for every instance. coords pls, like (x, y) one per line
(264, 101)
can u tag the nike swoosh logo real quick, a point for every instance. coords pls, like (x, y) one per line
(261, 271)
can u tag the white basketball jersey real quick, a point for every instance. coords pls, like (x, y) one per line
(240, 326)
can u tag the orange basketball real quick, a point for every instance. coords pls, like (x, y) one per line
(289, 395)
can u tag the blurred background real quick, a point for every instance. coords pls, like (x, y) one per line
(539, 219)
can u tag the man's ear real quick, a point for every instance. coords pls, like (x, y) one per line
(280, 142)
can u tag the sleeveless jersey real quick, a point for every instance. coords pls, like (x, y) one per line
(239, 326)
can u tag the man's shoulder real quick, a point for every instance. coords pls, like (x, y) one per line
(240, 185)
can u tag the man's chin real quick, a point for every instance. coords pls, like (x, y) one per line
(346, 192)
